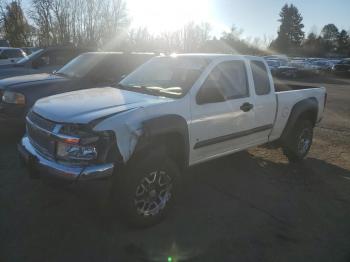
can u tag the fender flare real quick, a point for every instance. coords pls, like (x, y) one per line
(309, 105)
(162, 126)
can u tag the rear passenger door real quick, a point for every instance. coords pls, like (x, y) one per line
(219, 126)
(265, 101)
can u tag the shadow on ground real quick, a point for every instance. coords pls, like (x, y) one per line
(238, 208)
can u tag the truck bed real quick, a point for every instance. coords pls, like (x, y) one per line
(287, 95)
(282, 86)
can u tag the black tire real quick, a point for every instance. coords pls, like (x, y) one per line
(299, 141)
(132, 193)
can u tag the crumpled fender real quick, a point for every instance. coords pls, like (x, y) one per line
(127, 127)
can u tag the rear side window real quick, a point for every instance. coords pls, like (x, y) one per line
(231, 79)
(260, 77)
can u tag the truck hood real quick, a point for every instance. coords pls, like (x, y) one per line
(28, 79)
(15, 71)
(87, 105)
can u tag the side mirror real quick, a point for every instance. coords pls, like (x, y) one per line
(209, 93)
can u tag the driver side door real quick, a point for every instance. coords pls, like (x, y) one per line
(218, 124)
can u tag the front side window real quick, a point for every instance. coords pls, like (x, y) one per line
(56, 58)
(230, 78)
(260, 77)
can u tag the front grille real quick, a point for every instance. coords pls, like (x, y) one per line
(38, 130)
(41, 122)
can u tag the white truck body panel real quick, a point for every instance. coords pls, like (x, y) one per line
(124, 112)
(286, 101)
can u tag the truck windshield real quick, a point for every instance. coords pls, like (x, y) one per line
(165, 76)
(80, 66)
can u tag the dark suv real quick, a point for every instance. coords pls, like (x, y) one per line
(88, 70)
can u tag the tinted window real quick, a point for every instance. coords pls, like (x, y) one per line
(260, 77)
(57, 58)
(115, 66)
(110, 69)
(230, 78)
(12, 53)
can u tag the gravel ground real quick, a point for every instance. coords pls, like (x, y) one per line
(251, 206)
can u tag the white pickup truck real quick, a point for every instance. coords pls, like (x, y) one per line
(170, 113)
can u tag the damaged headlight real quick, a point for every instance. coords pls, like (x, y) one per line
(76, 152)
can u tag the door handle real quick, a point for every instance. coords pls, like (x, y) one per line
(246, 107)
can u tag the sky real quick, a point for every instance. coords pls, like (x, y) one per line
(257, 18)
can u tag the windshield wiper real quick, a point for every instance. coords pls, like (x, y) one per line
(60, 74)
(64, 74)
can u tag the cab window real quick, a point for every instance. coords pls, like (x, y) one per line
(230, 78)
(260, 77)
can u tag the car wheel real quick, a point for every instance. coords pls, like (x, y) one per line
(147, 189)
(299, 142)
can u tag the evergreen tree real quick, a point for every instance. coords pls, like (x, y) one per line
(343, 42)
(15, 26)
(290, 34)
(330, 35)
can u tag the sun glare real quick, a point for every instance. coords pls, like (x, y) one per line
(167, 15)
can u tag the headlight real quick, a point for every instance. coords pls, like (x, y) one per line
(75, 152)
(13, 98)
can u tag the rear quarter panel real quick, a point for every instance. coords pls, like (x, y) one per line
(287, 99)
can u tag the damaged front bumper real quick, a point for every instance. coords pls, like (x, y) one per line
(39, 166)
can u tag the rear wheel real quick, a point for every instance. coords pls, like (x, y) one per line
(147, 189)
(299, 141)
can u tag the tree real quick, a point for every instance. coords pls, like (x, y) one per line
(14, 23)
(290, 34)
(330, 35)
(330, 32)
(343, 42)
(42, 17)
(313, 45)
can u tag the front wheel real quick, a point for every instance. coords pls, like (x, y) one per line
(299, 141)
(147, 190)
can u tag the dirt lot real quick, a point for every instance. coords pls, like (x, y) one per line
(251, 206)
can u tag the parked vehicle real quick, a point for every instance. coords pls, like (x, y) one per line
(170, 113)
(41, 61)
(9, 55)
(323, 64)
(279, 70)
(85, 71)
(342, 68)
(305, 67)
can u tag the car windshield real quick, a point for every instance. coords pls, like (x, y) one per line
(80, 66)
(166, 76)
(27, 58)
